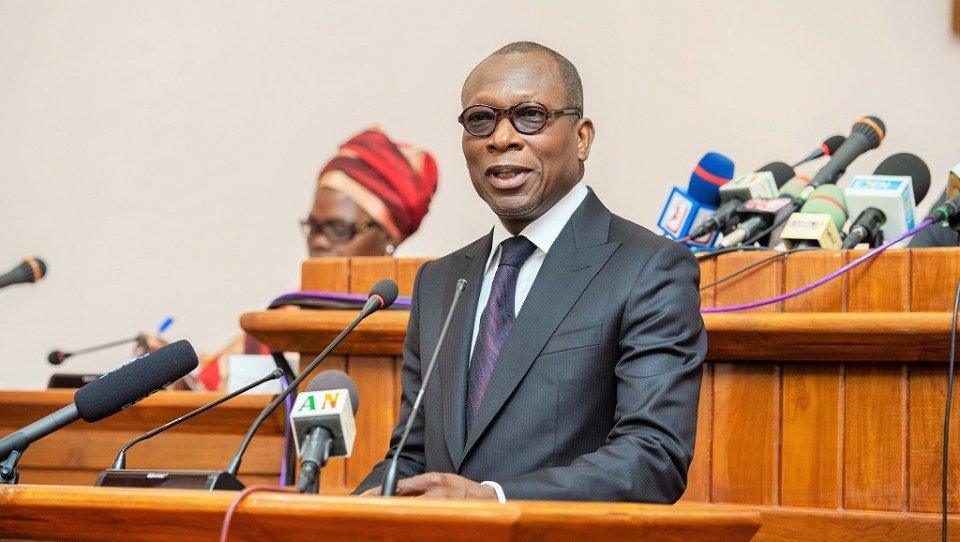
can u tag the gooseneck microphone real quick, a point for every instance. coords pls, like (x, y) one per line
(867, 133)
(389, 486)
(382, 295)
(31, 270)
(105, 396)
(57, 357)
(120, 462)
(323, 424)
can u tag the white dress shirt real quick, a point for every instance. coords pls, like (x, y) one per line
(542, 232)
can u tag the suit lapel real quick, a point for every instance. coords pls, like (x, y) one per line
(454, 358)
(574, 259)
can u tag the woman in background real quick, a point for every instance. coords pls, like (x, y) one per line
(370, 197)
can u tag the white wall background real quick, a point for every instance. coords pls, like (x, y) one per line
(159, 154)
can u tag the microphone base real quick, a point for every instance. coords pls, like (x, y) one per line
(169, 479)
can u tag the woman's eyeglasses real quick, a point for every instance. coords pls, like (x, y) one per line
(336, 231)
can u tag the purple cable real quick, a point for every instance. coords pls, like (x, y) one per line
(822, 281)
(288, 408)
(334, 296)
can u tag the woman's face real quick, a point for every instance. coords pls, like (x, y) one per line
(353, 230)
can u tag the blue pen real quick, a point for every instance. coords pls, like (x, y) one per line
(165, 325)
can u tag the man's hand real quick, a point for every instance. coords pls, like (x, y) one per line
(437, 485)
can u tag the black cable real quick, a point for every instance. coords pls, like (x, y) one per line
(946, 416)
(757, 263)
(719, 251)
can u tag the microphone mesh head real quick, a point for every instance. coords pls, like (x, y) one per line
(712, 171)
(332, 380)
(872, 128)
(833, 143)
(133, 381)
(909, 165)
(387, 290)
(829, 199)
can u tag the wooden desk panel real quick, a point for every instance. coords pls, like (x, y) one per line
(77, 453)
(105, 514)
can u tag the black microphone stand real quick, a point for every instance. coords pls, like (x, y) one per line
(389, 486)
(374, 303)
(9, 473)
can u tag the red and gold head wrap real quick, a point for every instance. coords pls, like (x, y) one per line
(392, 182)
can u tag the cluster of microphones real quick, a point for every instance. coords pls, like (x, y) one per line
(775, 206)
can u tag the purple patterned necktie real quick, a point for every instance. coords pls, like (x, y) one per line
(495, 321)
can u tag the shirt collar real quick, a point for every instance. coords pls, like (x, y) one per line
(543, 231)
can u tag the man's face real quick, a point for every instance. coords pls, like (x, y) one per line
(523, 176)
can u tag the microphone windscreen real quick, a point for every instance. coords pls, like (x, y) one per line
(794, 186)
(832, 143)
(781, 172)
(387, 290)
(333, 380)
(57, 357)
(829, 199)
(909, 165)
(135, 380)
(712, 171)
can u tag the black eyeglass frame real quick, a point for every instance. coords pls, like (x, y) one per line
(312, 228)
(499, 112)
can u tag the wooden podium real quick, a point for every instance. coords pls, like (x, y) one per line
(101, 515)
(823, 411)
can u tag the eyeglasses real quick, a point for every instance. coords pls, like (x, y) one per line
(337, 231)
(527, 117)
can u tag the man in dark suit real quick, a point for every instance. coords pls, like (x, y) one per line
(572, 369)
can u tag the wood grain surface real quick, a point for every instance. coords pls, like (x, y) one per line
(105, 514)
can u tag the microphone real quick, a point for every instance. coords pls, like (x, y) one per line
(388, 487)
(866, 134)
(755, 215)
(687, 209)
(827, 148)
(120, 462)
(105, 396)
(323, 426)
(382, 295)
(819, 221)
(763, 183)
(57, 357)
(31, 270)
(885, 203)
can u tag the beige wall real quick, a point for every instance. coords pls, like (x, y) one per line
(159, 154)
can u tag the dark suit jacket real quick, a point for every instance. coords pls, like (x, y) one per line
(595, 394)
